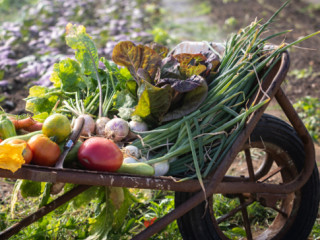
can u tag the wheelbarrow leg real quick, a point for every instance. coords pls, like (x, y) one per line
(7, 233)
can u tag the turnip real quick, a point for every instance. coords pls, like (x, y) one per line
(117, 129)
(137, 126)
(89, 125)
(129, 160)
(132, 151)
(161, 168)
(100, 125)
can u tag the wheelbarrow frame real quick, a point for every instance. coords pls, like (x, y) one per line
(217, 182)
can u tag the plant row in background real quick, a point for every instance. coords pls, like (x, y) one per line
(31, 45)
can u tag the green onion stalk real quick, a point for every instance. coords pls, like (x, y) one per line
(199, 141)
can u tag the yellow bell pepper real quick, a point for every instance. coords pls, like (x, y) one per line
(11, 156)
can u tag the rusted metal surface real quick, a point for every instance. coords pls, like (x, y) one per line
(76, 176)
(14, 229)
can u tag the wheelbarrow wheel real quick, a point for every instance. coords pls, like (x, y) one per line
(276, 155)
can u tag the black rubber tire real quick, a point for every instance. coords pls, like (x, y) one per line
(195, 225)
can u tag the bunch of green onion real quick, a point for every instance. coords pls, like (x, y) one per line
(200, 140)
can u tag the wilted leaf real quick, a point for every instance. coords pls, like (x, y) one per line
(134, 57)
(153, 103)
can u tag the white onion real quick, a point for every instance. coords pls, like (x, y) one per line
(89, 125)
(132, 151)
(136, 126)
(100, 126)
(129, 160)
(117, 129)
(161, 168)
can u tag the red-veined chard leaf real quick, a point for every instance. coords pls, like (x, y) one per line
(154, 102)
(189, 101)
(134, 57)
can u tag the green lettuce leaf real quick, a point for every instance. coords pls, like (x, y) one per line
(124, 103)
(41, 100)
(86, 51)
(153, 103)
(67, 76)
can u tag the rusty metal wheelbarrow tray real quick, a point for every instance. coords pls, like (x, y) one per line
(215, 183)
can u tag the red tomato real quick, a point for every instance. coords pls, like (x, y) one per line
(27, 153)
(101, 154)
(45, 152)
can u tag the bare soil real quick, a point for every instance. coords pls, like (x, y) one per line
(300, 17)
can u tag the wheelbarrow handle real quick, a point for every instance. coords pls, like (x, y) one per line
(73, 138)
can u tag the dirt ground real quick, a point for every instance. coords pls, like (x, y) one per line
(300, 17)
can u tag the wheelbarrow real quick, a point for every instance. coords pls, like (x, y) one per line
(280, 174)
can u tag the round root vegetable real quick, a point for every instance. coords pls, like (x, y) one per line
(89, 125)
(117, 129)
(132, 151)
(161, 168)
(129, 160)
(101, 154)
(136, 126)
(100, 126)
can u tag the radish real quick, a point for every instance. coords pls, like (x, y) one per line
(117, 129)
(89, 125)
(100, 126)
(132, 151)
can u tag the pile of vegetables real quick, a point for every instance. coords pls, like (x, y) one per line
(160, 113)
(177, 111)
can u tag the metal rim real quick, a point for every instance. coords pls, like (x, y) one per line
(277, 164)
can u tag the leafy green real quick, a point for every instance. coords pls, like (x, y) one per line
(190, 64)
(112, 214)
(134, 57)
(124, 103)
(86, 51)
(169, 87)
(67, 76)
(153, 103)
(41, 100)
